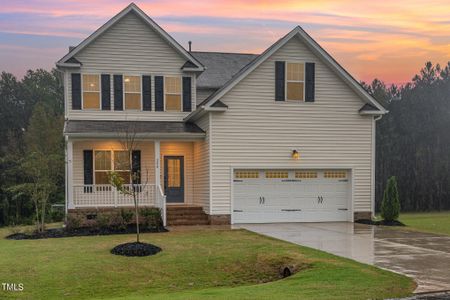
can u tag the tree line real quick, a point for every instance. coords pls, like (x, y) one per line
(413, 142)
(31, 146)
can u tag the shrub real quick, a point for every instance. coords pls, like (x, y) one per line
(151, 217)
(73, 222)
(390, 206)
(127, 215)
(56, 215)
(102, 220)
(117, 222)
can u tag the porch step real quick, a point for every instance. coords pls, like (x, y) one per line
(184, 222)
(186, 215)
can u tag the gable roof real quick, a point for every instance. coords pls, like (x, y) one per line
(315, 48)
(220, 67)
(192, 64)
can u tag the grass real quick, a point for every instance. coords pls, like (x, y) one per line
(433, 222)
(194, 264)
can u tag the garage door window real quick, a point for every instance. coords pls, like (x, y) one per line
(277, 174)
(335, 174)
(305, 174)
(246, 174)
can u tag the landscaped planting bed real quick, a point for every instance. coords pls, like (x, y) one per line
(102, 223)
(82, 231)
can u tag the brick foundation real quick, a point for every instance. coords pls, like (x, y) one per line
(87, 216)
(359, 215)
(219, 219)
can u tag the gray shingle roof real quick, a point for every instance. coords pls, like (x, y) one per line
(141, 128)
(220, 67)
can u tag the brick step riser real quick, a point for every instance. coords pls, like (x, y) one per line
(186, 211)
(190, 219)
(179, 214)
(186, 223)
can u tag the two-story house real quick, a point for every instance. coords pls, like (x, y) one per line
(284, 136)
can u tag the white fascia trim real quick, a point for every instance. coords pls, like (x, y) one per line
(373, 112)
(68, 65)
(193, 69)
(216, 108)
(132, 7)
(200, 111)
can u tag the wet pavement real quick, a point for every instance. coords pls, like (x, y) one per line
(423, 256)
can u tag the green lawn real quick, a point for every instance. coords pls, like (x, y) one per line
(434, 222)
(197, 263)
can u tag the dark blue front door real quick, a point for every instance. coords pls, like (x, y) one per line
(174, 179)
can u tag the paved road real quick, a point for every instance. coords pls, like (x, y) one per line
(423, 256)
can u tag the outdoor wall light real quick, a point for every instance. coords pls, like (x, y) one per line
(295, 154)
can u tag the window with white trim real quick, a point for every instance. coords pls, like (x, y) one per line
(335, 174)
(91, 91)
(295, 81)
(246, 174)
(133, 92)
(172, 93)
(277, 174)
(106, 161)
(306, 174)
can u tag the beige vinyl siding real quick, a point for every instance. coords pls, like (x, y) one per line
(201, 167)
(202, 94)
(185, 149)
(257, 132)
(147, 158)
(130, 47)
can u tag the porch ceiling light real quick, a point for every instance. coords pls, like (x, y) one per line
(295, 154)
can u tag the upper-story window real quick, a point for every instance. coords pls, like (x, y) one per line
(295, 81)
(91, 91)
(132, 90)
(172, 91)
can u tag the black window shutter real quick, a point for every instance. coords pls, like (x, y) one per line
(187, 94)
(118, 92)
(159, 93)
(136, 166)
(279, 80)
(310, 71)
(88, 164)
(76, 91)
(146, 92)
(106, 92)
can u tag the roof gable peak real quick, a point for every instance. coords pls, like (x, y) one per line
(297, 31)
(132, 7)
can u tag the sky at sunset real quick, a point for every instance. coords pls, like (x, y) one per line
(390, 40)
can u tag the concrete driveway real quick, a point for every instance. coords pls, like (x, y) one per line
(423, 256)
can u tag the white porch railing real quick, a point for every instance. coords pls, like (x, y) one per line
(105, 195)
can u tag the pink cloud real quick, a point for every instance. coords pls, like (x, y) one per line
(390, 40)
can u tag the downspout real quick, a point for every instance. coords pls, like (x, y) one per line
(66, 181)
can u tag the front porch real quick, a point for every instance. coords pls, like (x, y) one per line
(171, 172)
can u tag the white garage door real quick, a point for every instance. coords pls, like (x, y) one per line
(269, 196)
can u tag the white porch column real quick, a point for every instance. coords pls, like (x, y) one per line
(69, 175)
(157, 163)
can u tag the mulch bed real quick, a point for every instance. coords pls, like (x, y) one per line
(382, 222)
(83, 231)
(135, 249)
